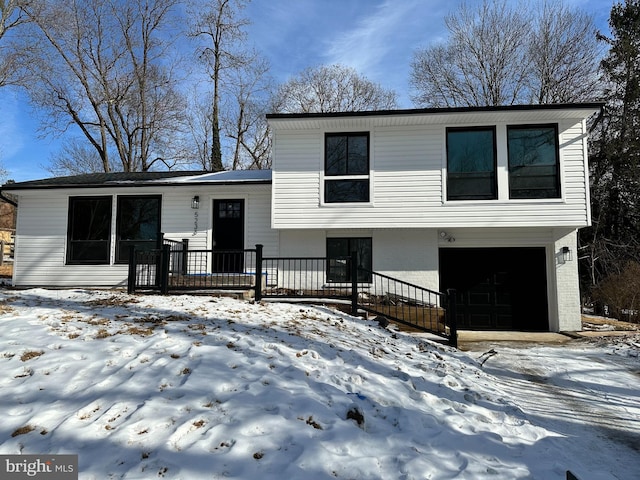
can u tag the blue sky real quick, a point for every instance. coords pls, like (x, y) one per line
(376, 37)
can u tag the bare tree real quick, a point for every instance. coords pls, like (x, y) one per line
(564, 55)
(10, 17)
(219, 26)
(504, 54)
(76, 157)
(243, 120)
(332, 88)
(102, 66)
(483, 62)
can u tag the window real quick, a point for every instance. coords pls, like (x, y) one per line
(138, 224)
(533, 161)
(230, 209)
(346, 167)
(471, 164)
(89, 230)
(338, 254)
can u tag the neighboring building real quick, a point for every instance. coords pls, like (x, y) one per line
(484, 200)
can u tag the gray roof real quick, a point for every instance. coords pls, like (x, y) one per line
(139, 179)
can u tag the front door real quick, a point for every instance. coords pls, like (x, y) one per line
(228, 235)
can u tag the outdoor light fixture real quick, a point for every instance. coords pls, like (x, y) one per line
(566, 255)
(195, 202)
(447, 237)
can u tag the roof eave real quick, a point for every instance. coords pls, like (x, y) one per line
(435, 111)
(18, 187)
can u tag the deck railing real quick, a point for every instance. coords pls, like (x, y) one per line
(175, 268)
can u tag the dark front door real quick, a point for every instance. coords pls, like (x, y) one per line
(228, 235)
(497, 288)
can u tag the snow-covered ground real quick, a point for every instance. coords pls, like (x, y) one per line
(195, 387)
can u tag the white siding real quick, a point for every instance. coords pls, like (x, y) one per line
(412, 255)
(407, 170)
(42, 228)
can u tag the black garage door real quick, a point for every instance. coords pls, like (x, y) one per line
(497, 288)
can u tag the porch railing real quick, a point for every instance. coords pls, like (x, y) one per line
(175, 268)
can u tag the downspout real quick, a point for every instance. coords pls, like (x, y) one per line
(8, 200)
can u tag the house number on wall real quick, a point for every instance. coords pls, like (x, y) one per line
(195, 223)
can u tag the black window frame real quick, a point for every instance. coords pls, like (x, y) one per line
(123, 245)
(520, 193)
(339, 268)
(348, 183)
(459, 177)
(74, 245)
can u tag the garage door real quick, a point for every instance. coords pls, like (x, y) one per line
(497, 288)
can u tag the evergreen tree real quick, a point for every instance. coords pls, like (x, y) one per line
(614, 239)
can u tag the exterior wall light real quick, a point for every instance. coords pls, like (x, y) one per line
(445, 236)
(566, 255)
(195, 202)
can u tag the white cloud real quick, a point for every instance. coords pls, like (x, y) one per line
(365, 47)
(381, 44)
(11, 138)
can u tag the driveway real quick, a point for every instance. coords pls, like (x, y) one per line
(586, 388)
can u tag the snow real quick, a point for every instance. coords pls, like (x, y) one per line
(240, 176)
(196, 387)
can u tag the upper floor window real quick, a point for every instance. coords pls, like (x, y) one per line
(89, 230)
(346, 167)
(471, 163)
(138, 224)
(534, 170)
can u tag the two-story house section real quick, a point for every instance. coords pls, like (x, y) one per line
(484, 200)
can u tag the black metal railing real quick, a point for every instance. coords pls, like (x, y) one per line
(301, 277)
(174, 268)
(409, 304)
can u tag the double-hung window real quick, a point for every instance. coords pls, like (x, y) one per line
(338, 254)
(471, 163)
(138, 224)
(346, 167)
(89, 230)
(534, 170)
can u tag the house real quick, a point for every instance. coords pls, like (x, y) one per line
(487, 201)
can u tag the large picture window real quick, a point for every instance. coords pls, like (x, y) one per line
(138, 224)
(338, 254)
(89, 230)
(534, 170)
(471, 164)
(346, 167)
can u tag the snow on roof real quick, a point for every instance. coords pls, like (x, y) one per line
(105, 180)
(240, 176)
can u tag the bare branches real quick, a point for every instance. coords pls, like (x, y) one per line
(100, 66)
(219, 26)
(564, 55)
(333, 88)
(501, 54)
(11, 16)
